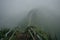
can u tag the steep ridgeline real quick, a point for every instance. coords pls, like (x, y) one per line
(28, 29)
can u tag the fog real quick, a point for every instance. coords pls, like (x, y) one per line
(13, 11)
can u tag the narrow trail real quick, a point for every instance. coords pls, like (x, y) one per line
(30, 30)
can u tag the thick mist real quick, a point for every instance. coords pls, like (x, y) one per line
(13, 11)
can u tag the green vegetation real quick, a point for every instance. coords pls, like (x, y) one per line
(32, 32)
